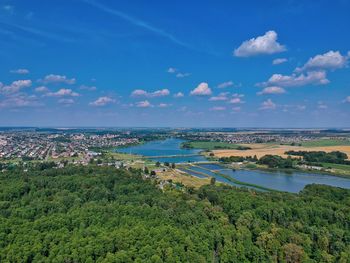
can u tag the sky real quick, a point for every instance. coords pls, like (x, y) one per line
(75, 63)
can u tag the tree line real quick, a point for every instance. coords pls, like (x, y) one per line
(103, 214)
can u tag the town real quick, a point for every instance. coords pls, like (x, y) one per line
(31, 145)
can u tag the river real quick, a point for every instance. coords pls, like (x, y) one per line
(288, 182)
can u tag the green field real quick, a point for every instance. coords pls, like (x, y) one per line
(211, 145)
(340, 169)
(325, 142)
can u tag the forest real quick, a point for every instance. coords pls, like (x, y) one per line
(321, 156)
(103, 214)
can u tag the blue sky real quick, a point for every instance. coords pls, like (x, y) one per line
(182, 63)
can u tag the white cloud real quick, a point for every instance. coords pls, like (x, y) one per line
(143, 93)
(236, 100)
(66, 101)
(89, 88)
(221, 97)
(164, 105)
(183, 75)
(272, 90)
(139, 93)
(51, 78)
(347, 99)
(160, 93)
(9, 8)
(225, 84)
(143, 104)
(20, 71)
(201, 90)
(19, 101)
(237, 95)
(63, 92)
(236, 109)
(268, 105)
(278, 61)
(266, 44)
(301, 107)
(321, 105)
(294, 80)
(182, 109)
(41, 89)
(16, 86)
(331, 60)
(179, 95)
(218, 108)
(102, 101)
(171, 70)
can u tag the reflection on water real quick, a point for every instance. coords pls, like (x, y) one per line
(168, 147)
(293, 182)
(289, 182)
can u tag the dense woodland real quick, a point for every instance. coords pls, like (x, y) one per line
(100, 214)
(321, 156)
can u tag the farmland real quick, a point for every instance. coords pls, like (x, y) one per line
(274, 149)
(209, 145)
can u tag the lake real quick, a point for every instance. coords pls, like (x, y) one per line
(169, 147)
(289, 182)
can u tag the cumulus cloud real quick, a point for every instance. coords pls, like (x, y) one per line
(9, 8)
(331, 60)
(237, 95)
(268, 105)
(347, 99)
(321, 105)
(41, 89)
(266, 44)
(143, 104)
(66, 101)
(236, 109)
(143, 93)
(102, 101)
(221, 97)
(164, 105)
(171, 70)
(63, 92)
(183, 75)
(201, 90)
(179, 95)
(294, 80)
(236, 100)
(19, 101)
(52, 78)
(16, 86)
(278, 61)
(272, 90)
(21, 71)
(218, 108)
(89, 88)
(225, 84)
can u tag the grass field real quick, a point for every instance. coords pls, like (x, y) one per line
(178, 177)
(326, 142)
(212, 145)
(123, 156)
(340, 169)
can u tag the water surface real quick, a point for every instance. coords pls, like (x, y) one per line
(288, 182)
(169, 147)
(294, 182)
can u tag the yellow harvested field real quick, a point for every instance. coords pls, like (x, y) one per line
(263, 149)
(181, 177)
